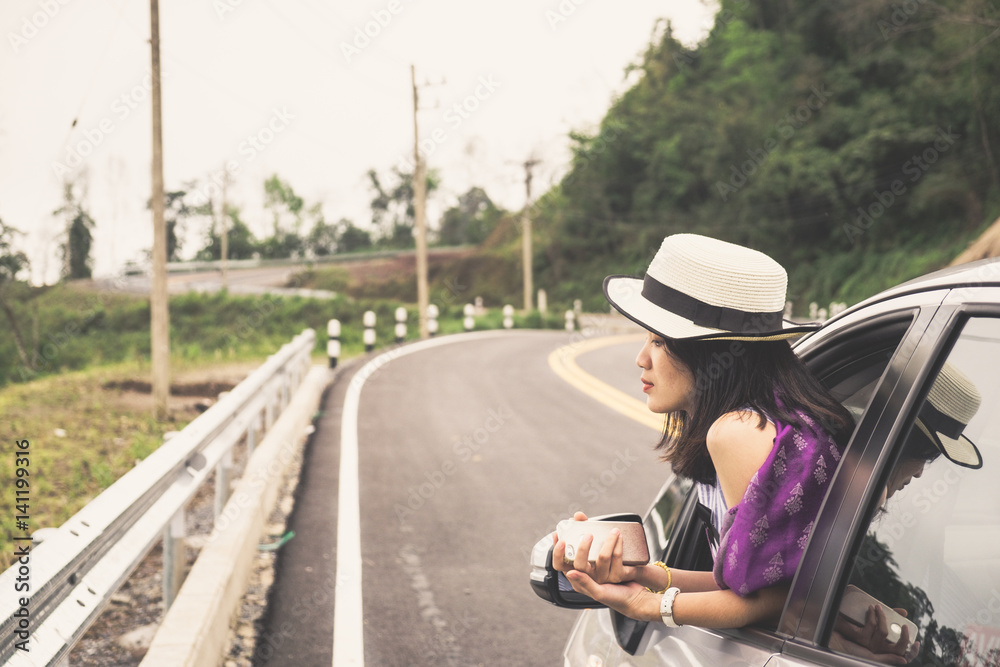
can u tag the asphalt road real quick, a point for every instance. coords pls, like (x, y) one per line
(468, 453)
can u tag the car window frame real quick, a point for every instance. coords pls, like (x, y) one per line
(801, 610)
(949, 326)
(876, 451)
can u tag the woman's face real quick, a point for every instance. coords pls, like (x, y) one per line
(667, 383)
(906, 471)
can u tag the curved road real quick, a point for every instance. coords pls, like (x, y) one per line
(468, 452)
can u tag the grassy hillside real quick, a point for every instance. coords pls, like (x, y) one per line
(86, 429)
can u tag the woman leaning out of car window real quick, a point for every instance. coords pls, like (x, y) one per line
(744, 419)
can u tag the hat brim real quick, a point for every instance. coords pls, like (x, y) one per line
(625, 294)
(961, 451)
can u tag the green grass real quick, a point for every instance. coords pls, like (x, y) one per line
(83, 436)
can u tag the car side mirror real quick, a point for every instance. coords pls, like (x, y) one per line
(551, 585)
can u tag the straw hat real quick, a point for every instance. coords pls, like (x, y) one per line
(699, 287)
(951, 404)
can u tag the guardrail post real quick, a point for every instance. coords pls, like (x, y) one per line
(333, 342)
(222, 471)
(570, 320)
(269, 408)
(432, 319)
(173, 558)
(368, 319)
(284, 392)
(469, 323)
(508, 316)
(400, 325)
(252, 432)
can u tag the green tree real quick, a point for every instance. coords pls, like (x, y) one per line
(322, 239)
(177, 210)
(79, 235)
(351, 238)
(471, 220)
(286, 210)
(241, 242)
(855, 142)
(392, 206)
(12, 263)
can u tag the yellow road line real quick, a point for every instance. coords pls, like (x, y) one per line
(563, 362)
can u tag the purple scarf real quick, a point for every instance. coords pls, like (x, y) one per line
(764, 535)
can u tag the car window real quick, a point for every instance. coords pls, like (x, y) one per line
(662, 517)
(851, 365)
(933, 546)
(664, 526)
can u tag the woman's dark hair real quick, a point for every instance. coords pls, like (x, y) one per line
(730, 375)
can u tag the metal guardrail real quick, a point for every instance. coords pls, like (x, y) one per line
(340, 258)
(75, 571)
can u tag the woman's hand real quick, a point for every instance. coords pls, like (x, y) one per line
(609, 568)
(871, 640)
(631, 598)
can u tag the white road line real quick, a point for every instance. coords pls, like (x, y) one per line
(348, 618)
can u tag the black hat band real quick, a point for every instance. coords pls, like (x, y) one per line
(935, 420)
(706, 315)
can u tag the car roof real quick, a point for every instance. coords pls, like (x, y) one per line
(974, 274)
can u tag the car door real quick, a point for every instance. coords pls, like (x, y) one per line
(924, 538)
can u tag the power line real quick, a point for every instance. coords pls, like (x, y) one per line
(93, 77)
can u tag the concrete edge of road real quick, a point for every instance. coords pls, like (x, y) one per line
(195, 629)
(563, 363)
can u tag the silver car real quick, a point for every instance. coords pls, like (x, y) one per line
(924, 539)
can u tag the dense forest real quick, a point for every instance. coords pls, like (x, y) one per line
(856, 142)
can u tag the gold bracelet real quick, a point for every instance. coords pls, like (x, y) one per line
(666, 569)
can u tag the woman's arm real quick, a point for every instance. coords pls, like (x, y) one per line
(707, 609)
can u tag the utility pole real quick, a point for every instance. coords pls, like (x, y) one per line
(224, 236)
(419, 212)
(159, 312)
(526, 237)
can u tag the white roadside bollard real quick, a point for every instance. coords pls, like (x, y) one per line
(570, 320)
(333, 342)
(400, 325)
(368, 319)
(822, 315)
(508, 316)
(543, 302)
(432, 319)
(813, 311)
(469, 323)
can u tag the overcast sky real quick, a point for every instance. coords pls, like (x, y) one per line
(316, 91)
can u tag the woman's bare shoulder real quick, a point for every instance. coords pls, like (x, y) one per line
(738, 428)
(738, 447)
